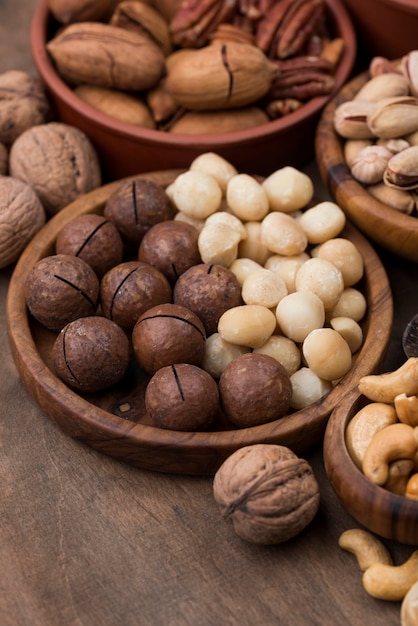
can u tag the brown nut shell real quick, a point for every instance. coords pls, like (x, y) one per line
(254, 389)
(131, 288)
(166, 335)
(91, 354)
(208, 290)
(61, 288)
(92, 238)
(267, 493)
(182, 397)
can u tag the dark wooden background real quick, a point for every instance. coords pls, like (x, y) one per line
(88, 541)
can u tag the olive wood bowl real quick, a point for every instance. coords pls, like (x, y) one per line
(389, 515)
(115, 422)
(391, 229)
(125, 149)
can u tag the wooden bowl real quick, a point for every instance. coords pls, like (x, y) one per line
(386, 226)
(385, 27)
(389, 515)
(116, 424)
(126, 150)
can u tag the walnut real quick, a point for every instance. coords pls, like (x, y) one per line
(267, 492)
(58, 161)
(23, 104)
(4, 160)
(21, 216)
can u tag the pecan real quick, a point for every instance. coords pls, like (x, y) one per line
(302, 85)
(196, 19)
(332, 51)
(282, 107)
(268, 26)
(231, 32)
(303, 62)
(298, 26)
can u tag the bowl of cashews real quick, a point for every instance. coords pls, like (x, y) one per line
(371, 449)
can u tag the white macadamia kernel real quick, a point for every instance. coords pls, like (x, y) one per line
(197, 194)
(323, 278)
(242, 267)
(327, 354)
(219, 353)
(218, 244)
(193, 221)
(284, 350)
(345, 256)
(288, 189)
(281, 234)
(252, 246)
(263, 287)
(222, 217)
(307, 387)
(246, 198)
(350, 331)
(286, 267)
(323, 221)
(352, 303)
(247, 325)
(299, 313)
(216, 166)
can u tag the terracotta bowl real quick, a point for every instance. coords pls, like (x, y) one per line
(116, 424)
(385, 27)
(126, 150)
(389, 515)
(391, 229)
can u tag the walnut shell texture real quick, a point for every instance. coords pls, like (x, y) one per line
(267, 493)
(58, 161)
(21, 217)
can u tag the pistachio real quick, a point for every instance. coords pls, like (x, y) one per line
(370, 164)
(220, 76)
(386, 85)
(350, 119)
(403, 201)
(352, 147)
(409, 65)
(394, 117)
(394, 145)
(402, 169)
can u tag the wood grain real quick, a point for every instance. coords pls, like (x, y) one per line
(389, 228)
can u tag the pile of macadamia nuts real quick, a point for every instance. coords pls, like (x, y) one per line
(236, 296)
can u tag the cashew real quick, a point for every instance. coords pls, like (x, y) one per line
(391, 582)
(409, 608)
(399, 474)
(367, 548)
(411, 489)
(396, 441)
(407, 409)
(385, 387)
(365, 423)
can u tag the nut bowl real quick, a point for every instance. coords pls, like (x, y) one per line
(394, 32)
(387, 514)
(115, 422)
(388, 227)
(126, 149)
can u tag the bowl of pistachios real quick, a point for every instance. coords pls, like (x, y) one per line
(367, 152)
(154, 84)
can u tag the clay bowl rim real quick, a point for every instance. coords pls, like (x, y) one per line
(47, 72)
(94, 426)
(389, 515)
(363, 209)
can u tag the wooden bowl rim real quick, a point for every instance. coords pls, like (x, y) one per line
(81, 415)
(395, 513)
(38, 36)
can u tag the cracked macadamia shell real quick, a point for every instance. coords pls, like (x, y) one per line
(267, 493)
(91, 354)
(23, 104)
(58, 161)
(21, 217)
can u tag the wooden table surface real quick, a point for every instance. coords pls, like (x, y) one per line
(86, 540)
